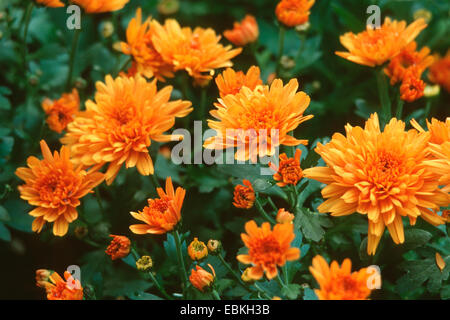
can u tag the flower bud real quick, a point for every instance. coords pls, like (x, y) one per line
(197, 250)
(145, 263)
(214, 246)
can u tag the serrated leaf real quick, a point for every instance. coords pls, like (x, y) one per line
(312, 224)
(291, 291)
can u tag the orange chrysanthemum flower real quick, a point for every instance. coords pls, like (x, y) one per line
(293, 12)
(409, 57)
(439, 72)
(160, 215)
(412, 88)
(284, 216)
(231, 82)
(119, 247)
(374, 47)
(289, 171)
(259, 120)
(55, 186)
(62, 111)
(244, 32)
(147, 61)
(51, 3)
(339, 282)
(58, 288)
(244, 195)
(196, 51)
(268, 249)
(202, 279)
(98, 6)
(441, 164)
(380, 174)
(197, 250)
(128, 113)
(439, 130)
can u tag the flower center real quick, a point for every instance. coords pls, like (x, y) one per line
(159, 205)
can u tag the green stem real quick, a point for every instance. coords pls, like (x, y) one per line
(280, 49)
(383, 92)
(75, 39)
(399, 111)
(274, 207)
(201, 110)
(280, 282)
(233, 272)
(263, 212)
(215, 295)
(262, 291)
(124, 65)
(99, 201)
(285, 273)
(183, 273)
(427, 108)
(27, 16)
(155, 181)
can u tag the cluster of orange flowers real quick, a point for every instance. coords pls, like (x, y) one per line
(90, 6)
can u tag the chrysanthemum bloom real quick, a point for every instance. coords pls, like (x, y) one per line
(98, 6)
(244, 195)
(58, 288)
(202, 279)
(268, 249)
(144, 263)
(289, 171)
(214, 246)
(339, 282)
(244, 32)
(197, 250)
(380, 174)
(257, 121)
(163, 214)
(284, 216)
(441, 164)
(406, 59)
(55, 186)
(439, 72)
(119, 247)
(412, 87)
(128, 113)
(293, 12)
(139, 45)
(374, 47)
(439, 130)
(196, 51)
(62, 111)
(231, 82)
(50, 3)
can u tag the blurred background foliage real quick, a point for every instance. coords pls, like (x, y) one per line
(341, 92)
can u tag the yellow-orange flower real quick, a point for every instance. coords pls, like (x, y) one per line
(50, 3)
(374, 47)
(119, 247)
(197, 250)
(439, 130)
(62, 111)
(98, 6)
(58, 288)
(268, 249)
(214, 246)
(441, 164)
(244, 195)
(439, 72)
(197, 51)
(202, 279)
(380, 174)
(284, 216)
(289, 171)
(293, 12)
(339, 282)
(412, 88)
(231, 82)
(139, 45)
(160, 215)
(259, 120)
(55, 186)
(128, 113)
(406, 59)
(244, 32)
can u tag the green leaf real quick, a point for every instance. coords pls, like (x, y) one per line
(312, 223)
(291, 291)
(5, 234)
(309, 294)
(6, 145)
(143, 296)
(4, 216)
(415, 238)
(445, 292)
